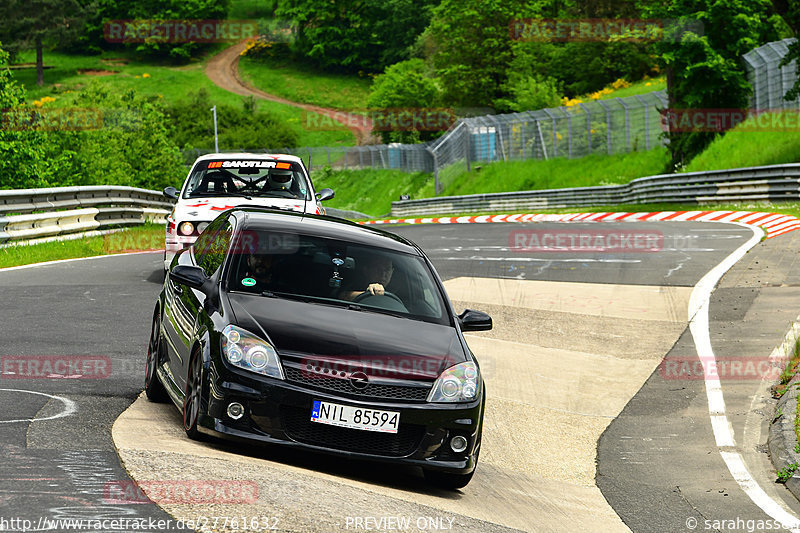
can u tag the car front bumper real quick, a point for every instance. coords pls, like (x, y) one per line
(280, 412)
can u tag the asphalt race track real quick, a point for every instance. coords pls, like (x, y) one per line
(573, 360)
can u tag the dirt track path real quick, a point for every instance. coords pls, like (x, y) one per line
(223, 70)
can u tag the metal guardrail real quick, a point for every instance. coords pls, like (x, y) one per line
(36, 213)
(768, 183)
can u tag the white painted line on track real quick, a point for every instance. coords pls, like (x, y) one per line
(723, 433)
(70, 407)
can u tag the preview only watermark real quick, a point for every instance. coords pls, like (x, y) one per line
(179, 31)
(585, 240)
(602, 30)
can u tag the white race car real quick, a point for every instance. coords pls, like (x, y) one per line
(218, 182)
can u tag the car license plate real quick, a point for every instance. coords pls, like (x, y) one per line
(347, 416)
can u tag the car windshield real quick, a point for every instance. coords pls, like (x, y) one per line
(250, 178)
(333, 272)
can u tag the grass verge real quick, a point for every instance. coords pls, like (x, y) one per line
(750, 144)
(120, 71)
(139, 238)
(300, 83)
(371, 191)
(534, 174)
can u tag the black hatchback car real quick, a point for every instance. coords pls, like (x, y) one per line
(317, 333)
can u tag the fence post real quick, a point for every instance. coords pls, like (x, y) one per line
(608, 125)
(467, 143)
(627, 124)
(555, 133)
(646, 121)
(588, 126)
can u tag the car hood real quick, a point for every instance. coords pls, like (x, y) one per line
(208, 208)
(345, 339)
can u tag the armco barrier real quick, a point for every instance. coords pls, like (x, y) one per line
(37, 213)
(768, 183)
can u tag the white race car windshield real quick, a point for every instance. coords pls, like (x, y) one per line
(247, 178)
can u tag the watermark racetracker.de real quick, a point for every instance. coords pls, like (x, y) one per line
(55, 367)
(602, 30)
(179, 31)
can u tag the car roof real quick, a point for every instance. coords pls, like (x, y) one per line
(245, 155)
(255, 218)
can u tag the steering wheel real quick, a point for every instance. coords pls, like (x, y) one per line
(366, 294)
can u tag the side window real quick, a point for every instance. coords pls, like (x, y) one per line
(212, 245)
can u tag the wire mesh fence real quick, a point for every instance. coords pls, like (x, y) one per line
(611, 126)
(771, 81)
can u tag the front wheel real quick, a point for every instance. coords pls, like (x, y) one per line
(153, 388)
(192, 397)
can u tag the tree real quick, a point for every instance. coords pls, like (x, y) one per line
(405, 85)
(790, 12)
(356, 35)
(704, 68)
(473, 47)
(26, 23)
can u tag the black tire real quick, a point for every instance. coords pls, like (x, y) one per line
(446, 480)
(192, 399)
(153, 388)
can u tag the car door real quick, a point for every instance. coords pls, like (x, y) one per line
(208, 252)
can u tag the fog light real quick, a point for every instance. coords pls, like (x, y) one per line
(236, 411)
(458, 443)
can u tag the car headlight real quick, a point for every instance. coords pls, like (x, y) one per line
(245, 350)
(459, 383)
(201, 226)
(186, 228)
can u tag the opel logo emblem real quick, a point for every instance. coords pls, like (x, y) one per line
(359, 380)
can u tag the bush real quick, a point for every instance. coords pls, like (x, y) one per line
(405, 85)
(582, 67)
(529, 93)
(192, 126)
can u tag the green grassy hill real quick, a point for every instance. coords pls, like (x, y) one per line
(372, 191)
(752, 144)
(119, 71)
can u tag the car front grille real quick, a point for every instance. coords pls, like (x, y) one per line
(298, 426)
(372, 390)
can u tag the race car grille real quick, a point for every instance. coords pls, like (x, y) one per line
(299, 428)
(372, 390)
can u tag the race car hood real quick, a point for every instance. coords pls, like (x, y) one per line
(207, 209)
(379, 344)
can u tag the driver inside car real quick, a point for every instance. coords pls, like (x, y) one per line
(375, 275)
(280, 180)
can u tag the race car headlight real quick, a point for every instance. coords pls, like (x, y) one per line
(186, 228)
(245, 350)
(201, 226)
(459, 383)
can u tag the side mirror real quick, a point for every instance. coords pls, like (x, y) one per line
(325, 194)
(171, 192)
(474, 321)
(191, 276)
